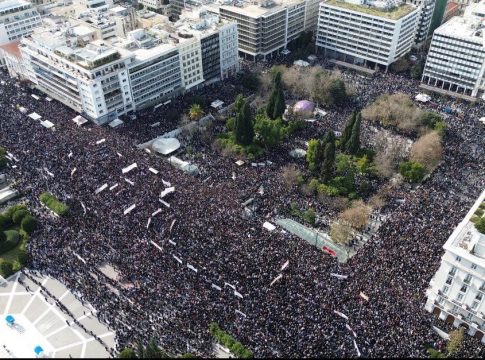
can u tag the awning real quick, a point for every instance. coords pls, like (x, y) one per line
(216, 104)
(166, 146)
(79, 120)
(47, 124)
(115, 123)
(423, 98)
(34, 116)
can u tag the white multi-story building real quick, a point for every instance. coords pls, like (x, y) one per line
(359, 32)
(424, 23)
(156, 5)
(457, 290)
(17, 18)
(456, 58)
(104, 78)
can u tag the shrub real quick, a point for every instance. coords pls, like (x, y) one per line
(12, 239)
(22, 257)
(480, 225)
(28, 224)
(5, 222)
(19, 215)
(12, 209)
(230, 123)
(228, 341)
(55, 205)
(412, 171)
(6, 267)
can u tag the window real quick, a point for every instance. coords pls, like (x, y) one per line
(474, 305)
(452, 271)
(479, 296)
(474, 266)
(449, 280)
(468, 278)
(469, 316)
(458, 259)
(445, 289)
(460, 297)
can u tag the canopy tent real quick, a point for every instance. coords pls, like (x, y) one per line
(304, 107)
(424, 98)
(22, 109)
(298, 153)
(482, 120)
(10, 319)
(268, 226)
(35, 97)
(47, 124)
(217, 104)
(48, 98)
(301, 63)
(115, 123)
(165, 146)
(34, 116)
(79, 120)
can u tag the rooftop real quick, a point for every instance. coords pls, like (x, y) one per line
(468, 28)
(256, 10)
(466, 238)
(394, 13)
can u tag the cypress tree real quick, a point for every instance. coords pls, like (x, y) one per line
(353, 145)
(270, 108)
(244, 126)
(347, 131)
(329, 157)
(279, 106)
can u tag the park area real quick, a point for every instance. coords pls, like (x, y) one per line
(335, 163)
(16, 225)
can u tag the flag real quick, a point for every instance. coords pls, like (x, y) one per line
(329, 251)
(276, 279)
(341, 314)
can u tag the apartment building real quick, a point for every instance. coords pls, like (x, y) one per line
(17, 19)
(424, 23)
(366, 33)
(456, 58)
(457, 290)
(105, 78)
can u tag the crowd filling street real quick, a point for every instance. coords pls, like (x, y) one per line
(202, 259)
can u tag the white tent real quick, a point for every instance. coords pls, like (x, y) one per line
(79, 120)
(115, 123)
(47, 124)
(35, 97)
(482, 120)
(217, 104)
(22, 110)
(35, 116)
(166, 146)
(301, 63)
(424, 98)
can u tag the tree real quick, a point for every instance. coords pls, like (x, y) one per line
(455, 341)
(416, 71)
(328, 165)
(412, 171)
(291, 175)
(480, 225)
(353, 144)
(356, 216)
(195, 112)
(429, 118)
(337, 92)
(279, 106)
(400, 65)
(427, 150)
(19, 215)
(347, 131)
(250, 81)
(6, 268)
(238, 103)
(3, 237)
(139, 350)
(244, 126)
(3, 159)
(127, 353)
(340, 232)
(28, 224)
(5, 222)
(152, 351)
(269, 132)
(315, 155)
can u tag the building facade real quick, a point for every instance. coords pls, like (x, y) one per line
(424, 22)
(456, 58)
(105, 78)
(457, 290)
(17, 19)
(366, 35)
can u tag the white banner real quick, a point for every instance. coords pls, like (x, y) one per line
(216, 287)
(73, 171)
(232, 286)
(171, 225)
(156, 245)
(101, 188)
(164, 203)
(191, 267)
(356, 349)
(113, 187)
(269, 226)
(128, 210)
(157, 212)
(285, 265)
(339, 276)
(364, 296)
(167, 191)
(241, 313)
(276, 279)
(129, 168)
(341, 315)
(178, 259)
(172, 242)
(153, 171)
(149, 222)
(239, 295)
(129, 181)
(166, 183)
(100, 141)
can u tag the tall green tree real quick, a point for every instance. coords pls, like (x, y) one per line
(315, 155)
(337, 92)
(238, 103)
(353, 145)
(328, 164)
(276, 93)
(127, 353)
(244, 126)
(152, 351)
(279, 106)
(347, 130)
(269, 132)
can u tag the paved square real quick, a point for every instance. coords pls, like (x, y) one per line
(40, 322)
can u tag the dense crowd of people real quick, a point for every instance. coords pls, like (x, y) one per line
(202, 259)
